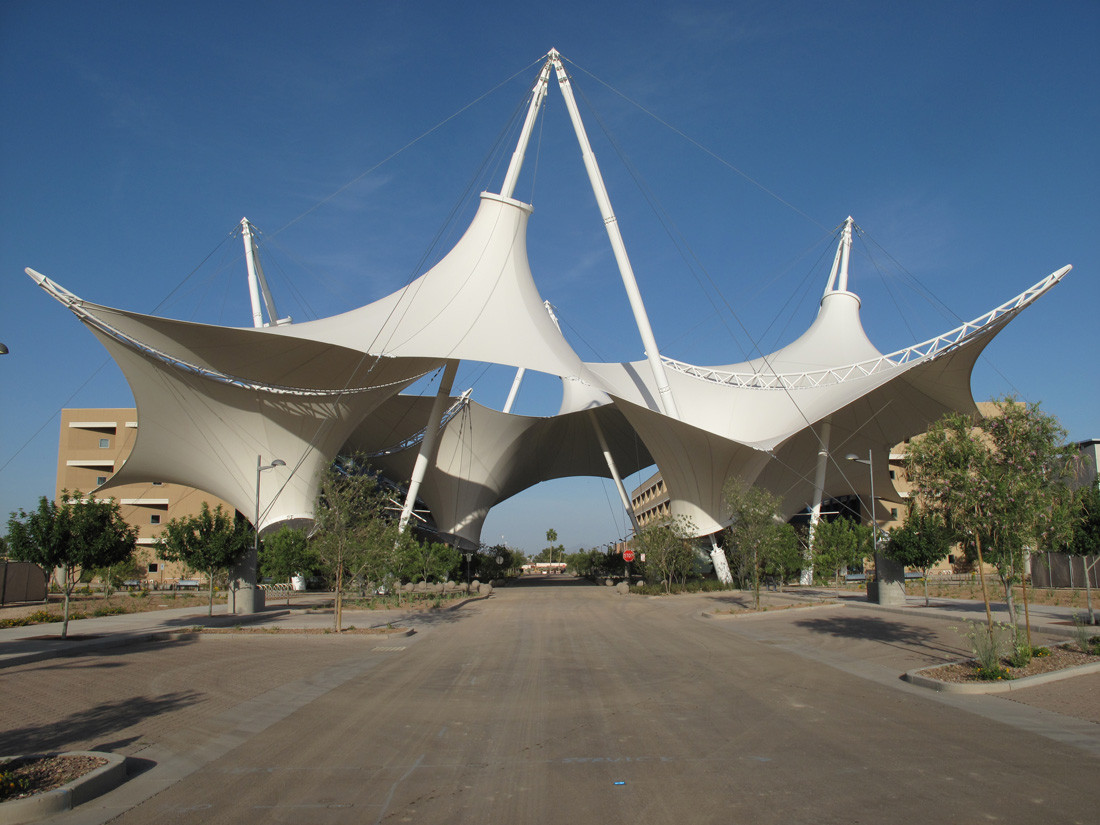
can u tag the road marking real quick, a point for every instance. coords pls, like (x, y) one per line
(389, 649)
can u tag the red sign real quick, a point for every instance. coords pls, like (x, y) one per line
(628, 555)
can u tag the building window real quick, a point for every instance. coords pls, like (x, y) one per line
(155, 518)
(104, 443)
(153, 567)
(893, 512)
(950, 559)
(892, 475)
(100, 480)
(158, 483)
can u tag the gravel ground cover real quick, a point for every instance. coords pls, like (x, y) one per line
(34, 775)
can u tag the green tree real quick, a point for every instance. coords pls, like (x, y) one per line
(75, 536)
(1085, 540)
(668, 548)
(353, 538)
(761, 543)
(211, 541)
(430, 560)
(923, 541)
(998, 483)
(285, 554)
(839, 544)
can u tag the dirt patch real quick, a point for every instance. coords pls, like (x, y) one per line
(27, 776)
(1060, 658)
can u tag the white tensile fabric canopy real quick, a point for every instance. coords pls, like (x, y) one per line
(211, 399)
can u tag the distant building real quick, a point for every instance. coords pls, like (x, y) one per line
(650, 501)
(93, 445)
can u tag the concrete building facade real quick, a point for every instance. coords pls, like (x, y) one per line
(93, 445)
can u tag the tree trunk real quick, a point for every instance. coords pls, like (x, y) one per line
(338, 603)
(981, 577)
(1027, 612)
(210, 581)
(924, 574)
(755, 579)
(1006, 581)
(65, 613)
(1088, 586)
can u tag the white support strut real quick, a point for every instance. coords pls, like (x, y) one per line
(257, 283)
(653, 355)
(538, 94)
(426, 455)
(614, 470)
(807, 577)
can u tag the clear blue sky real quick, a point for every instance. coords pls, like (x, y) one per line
(963, 138)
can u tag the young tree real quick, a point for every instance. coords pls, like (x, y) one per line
(352, 537)
(76, 535)
(1085, 541)
(923, 541)
(212, 541)
(760, 539)
(993, 482)
(285, 554)
(839, 544)
(667, 547)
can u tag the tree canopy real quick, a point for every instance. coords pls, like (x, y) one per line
(759, 541)
(211, 541)
(72, 536)
(997, 482)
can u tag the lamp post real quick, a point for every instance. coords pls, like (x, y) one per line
(889, 584)
(871, 509)
(248, 598)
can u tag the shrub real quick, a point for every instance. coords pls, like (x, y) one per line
(986, 644)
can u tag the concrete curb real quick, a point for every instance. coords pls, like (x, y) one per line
(68, 796)
(771, 611)
(915, 677)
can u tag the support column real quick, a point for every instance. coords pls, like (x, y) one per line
(721, 565)
(427, 446)
(610, 459)
(807, 577)
(664, 392)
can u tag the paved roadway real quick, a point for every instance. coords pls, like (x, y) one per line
(559, 702)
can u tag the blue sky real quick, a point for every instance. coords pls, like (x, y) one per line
(961, 136)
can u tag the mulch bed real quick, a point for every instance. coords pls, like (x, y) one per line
(1060, 658)
(45, 773)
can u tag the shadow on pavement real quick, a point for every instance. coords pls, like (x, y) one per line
(92, 723)
(874, 629)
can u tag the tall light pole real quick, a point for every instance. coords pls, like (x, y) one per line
(250, 601)
(871, 509)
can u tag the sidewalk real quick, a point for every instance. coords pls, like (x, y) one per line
(31, 643)
(19, 645)
(1047, 619)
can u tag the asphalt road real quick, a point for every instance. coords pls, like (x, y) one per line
(559, 704)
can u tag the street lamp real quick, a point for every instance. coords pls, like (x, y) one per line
(247, 570)
(874, 521)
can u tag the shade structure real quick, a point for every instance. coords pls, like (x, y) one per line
(211, 398)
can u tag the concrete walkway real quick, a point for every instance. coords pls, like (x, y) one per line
(20, 645)
(554, 703)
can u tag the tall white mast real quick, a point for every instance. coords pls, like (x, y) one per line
(665, 398)
(257, 283)
(538, 94)
(838, 277)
